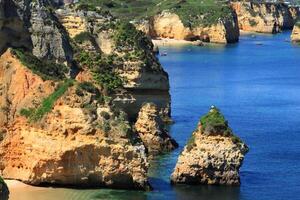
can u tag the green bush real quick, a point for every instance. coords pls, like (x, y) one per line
(191, 143)
(83, 37)
(47, 104)
(47, 70)
(214, 122)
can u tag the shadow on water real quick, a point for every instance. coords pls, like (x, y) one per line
(204, 192)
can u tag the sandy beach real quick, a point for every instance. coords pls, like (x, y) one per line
(173, 42)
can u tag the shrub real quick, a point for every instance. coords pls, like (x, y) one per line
(191, 143)
(82, 37)
(47, 104)
(47, 70)
(214, 123)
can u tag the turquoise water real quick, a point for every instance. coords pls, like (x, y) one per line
(257, 87)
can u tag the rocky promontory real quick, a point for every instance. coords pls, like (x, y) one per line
(170, 25)
(72, 82)
(295, 37)
(4, 192)
(213, 154)
(265, 17)
(151, 131)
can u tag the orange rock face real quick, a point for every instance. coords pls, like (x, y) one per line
(71, 145)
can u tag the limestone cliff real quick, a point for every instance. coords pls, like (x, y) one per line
(212, 156)
(4, 192)
(169, 25)
(295, 37)
(151, 131)
(32, 25)
(264, 17)
(145, 79)
(59, 132)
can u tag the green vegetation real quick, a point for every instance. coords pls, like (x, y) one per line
(214, 123)
(191, 143)
(47, 104)
(252, 22)
(191, 12)
(47, 70)
(101, 68)
(83, 37)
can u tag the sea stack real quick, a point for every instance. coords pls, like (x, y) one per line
(4, 193)
(213, 154)
(149, 126)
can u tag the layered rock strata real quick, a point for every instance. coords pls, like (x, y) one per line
(150, 128)
(169, 25)
(265, 17)
(95, 148)
(212, 156)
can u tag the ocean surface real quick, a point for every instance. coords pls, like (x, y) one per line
(256, 84)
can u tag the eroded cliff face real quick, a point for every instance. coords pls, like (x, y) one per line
(150, 128)
(33, 26)
(146, 81)
(212, 156)
(169, 25)
(295, 37)
(265, 17)
(79, 142)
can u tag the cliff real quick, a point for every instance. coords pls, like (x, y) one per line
(42, 142)
(210, 21)
(169, 25)
(213, 155)
(32, 25)
(75, 62)
(4, 193)
(150, 128)
(264, 17)
(144, 78)
(295, 37)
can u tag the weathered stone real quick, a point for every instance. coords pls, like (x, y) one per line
(295, 37)
(265, 17)
(212, 156)
(150, 129)
(169, 25)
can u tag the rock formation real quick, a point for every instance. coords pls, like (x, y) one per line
(4, 192)
(150, 129)
(295, 37)
(41, 142)
(145, 81)
(213, 155)
(264, 17)
(32, 25)
(169, 25)
(95, 148)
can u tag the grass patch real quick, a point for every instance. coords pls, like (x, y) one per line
(252, 22)
(47, 104)
(191, 12)
(47, 70)
(191, 143)
(83, 37)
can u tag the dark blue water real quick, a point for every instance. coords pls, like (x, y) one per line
(257, 87)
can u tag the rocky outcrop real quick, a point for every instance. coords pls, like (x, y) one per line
(295, 37)
(4, 192)
(95, 148)
(265, 17)
(146, 80)
(151, 131)
(169, 25)
(32, 25)
(213, 155)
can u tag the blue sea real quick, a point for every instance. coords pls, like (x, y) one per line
(256, 84)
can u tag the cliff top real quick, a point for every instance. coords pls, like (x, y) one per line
(191, 12)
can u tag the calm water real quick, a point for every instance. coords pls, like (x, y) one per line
(258, 89)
